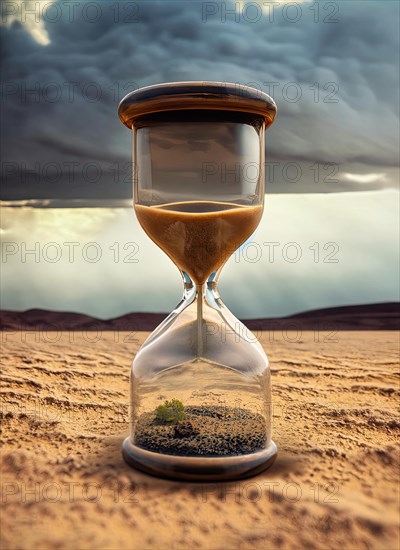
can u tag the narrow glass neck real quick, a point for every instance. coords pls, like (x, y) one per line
(207, 291)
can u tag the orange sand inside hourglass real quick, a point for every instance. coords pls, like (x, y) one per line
(199, 236)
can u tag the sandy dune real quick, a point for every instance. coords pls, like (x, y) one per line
(383, 316)
(334, 484)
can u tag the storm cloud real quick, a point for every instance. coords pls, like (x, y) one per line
(332, 69)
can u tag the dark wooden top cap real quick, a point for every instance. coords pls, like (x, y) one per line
(177, 96)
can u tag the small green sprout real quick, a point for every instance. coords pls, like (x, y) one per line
(171, 411)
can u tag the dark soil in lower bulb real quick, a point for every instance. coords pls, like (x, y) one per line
(205, 431)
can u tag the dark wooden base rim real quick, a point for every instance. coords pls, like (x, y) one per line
(198, 468)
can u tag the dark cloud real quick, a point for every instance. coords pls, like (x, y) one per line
(335, 84)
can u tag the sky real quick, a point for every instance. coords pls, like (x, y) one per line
(331, 156)
(310, 251)
(332, 68)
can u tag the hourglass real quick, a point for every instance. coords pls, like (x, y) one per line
(200, 395)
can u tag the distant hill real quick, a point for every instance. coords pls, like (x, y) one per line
(385, 316)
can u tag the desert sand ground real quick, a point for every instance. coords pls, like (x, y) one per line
(334, 484)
